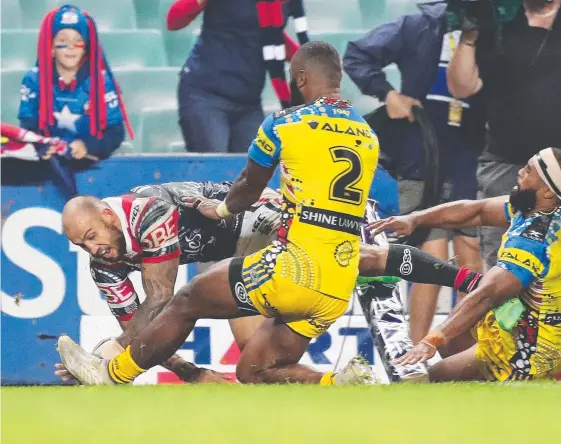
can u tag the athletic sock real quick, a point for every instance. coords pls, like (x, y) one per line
(327, 379)
(466, 280)
(123, 369)
(413, 265)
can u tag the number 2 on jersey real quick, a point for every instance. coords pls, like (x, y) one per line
(342, 186)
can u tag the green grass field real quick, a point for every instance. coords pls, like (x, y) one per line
(451, 414)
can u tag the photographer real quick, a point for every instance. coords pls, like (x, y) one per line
(518, 73)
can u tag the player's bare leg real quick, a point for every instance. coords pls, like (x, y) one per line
(272, 356)
(243, 329)
(207, 296)
(460, 367)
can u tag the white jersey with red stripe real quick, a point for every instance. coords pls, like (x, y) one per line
(157, 226)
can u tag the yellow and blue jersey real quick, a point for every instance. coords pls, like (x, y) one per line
(530, 248)
(531, 251)
(327, 155)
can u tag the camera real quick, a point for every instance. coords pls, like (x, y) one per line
(488, 15)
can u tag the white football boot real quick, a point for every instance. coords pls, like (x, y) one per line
(356, 372)
(86, 368)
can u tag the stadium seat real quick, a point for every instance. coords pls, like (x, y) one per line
(10, 83)
(402, 7)
(33, 11)
(373, 12)
(147, 88)
(126, 148)
(363, 104)
(108, 14)
(333, 15)
(158, 130)
(19, 48)
(134, 48)
(377, 12)
(11, 14)
(177, 148)
(178, 43)
(338, 39)
(163, 8)
(147, 13)
(393, 76)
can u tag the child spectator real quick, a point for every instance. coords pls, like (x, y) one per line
(71, 94)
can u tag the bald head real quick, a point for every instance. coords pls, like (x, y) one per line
(81, 207)
(91, 224)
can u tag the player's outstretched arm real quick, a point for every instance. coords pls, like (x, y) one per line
(263, 156)
(453, 215)
(497, 286)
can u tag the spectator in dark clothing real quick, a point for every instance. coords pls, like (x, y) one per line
(522, 97)
(421, 47)
(221, 82)
(71, 94)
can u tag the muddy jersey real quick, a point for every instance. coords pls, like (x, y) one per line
(158, 226)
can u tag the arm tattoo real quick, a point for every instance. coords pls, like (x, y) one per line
(158, 280)
(156, 291)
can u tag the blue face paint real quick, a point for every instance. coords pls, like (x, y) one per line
(61, 46)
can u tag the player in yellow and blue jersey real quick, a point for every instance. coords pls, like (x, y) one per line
(515, 313)
(327, 155)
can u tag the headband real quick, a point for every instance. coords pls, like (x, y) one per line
(549, 170)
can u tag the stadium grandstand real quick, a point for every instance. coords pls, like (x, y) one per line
(146, 58)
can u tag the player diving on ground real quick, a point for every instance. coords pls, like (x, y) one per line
(509, 328)
(149, 226)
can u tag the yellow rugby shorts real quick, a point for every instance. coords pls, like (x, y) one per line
(305, 311)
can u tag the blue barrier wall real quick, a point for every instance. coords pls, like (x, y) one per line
(41, 278)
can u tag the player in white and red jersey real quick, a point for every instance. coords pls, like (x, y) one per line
(152, 230)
